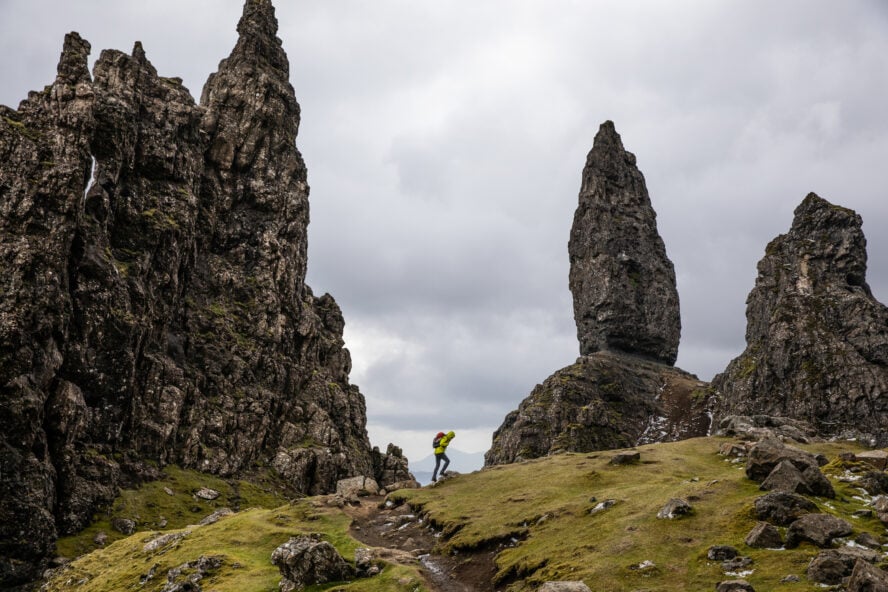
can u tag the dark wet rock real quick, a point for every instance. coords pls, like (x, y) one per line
(817, 339)
(124, 525)
(782, 508)
(867, 540)
(623, 283)
(308, 560)
(154, 307)
(877, 458)
(604, 401)
(786, 477)
(818, 529)
(874, 482)
(736, 564)
(867, 578)
(721, 552)
(764, 536)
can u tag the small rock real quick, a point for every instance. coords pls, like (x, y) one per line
(764, 536)
(625, 458)
(733, 449)
(216, 516)
(867, 540)
(168, 491)
(875, 458)
(736, 564)
(100, 539)
(124, 525)
(306, 560)
(790, 579)
(565, 586)
(783, 508)
(601, 506)
(164, 540)
(830, 568)
(675, 508)
(721, 553)
(734, 586)
(206, 493)
(357, 486)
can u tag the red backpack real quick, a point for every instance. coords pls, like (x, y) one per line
(437, 441)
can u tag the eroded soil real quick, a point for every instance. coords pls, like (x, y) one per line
(399, 535)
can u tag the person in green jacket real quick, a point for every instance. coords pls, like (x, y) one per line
(441, 441)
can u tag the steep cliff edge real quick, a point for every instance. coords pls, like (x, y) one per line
(624, 389)
(817, 339)
(153, 308)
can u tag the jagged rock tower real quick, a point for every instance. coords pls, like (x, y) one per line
(623, 390)
(623, 284)
(817, 340)
(153, 306)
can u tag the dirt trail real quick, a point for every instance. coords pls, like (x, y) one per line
(400, 536)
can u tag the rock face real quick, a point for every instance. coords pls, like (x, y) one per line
(603, 401)
(153, 307)
(624, 390)
(817, 340)
(623, 284)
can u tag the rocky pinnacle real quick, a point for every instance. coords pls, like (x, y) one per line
(816, 339)
(623, 284)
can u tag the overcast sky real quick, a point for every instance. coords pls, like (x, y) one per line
(445, 142)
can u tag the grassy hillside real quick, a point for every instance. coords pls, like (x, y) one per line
(540, 517)
(542, 513)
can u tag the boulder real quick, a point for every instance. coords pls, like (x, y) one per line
(764, 536)
(867, 578)
(782, 508)
(124, 525)
(736, 564)
(357, 486)
(675, 508)
(759, 427)
(833, 565)
(867, 540)
(734, 586)
(205, 493)
(787, 478)
(874, 482)
(876, 458)
(767, 454)
(819, 529)
(216, 516)
(307, 560)
(625, 458)
(721, 552)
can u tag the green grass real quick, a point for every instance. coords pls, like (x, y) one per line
(544, 505)
(149, 505)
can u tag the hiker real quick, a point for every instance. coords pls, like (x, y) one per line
(440, 443)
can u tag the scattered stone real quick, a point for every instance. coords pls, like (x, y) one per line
(848, 456)
(868, 540)
(408, 484)
(760, 427)
(625, 458)
(572, 586)
(874, 482)
(830, 567)
(764, 536)
(186, 577)
(675, 508)
(876, 458)
(734, 449)
(205, 493)
(819, 529)
(736, 564)
(306, 560)
(101, 538)
(734, 586)
(867, 578)
(216, 516)
(721, 553)
(786, 477)
(782, 508)
(363, 561)
(604, 505)
(124, 525)
(164, 540)
(168, 491)
(791, 578)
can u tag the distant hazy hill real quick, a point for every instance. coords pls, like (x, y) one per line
(463, 462)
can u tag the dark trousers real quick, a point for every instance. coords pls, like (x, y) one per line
(438, 459)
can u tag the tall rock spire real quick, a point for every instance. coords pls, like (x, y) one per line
(816, 339)
(623, 284)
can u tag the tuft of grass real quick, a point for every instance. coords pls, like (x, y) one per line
(539, 515)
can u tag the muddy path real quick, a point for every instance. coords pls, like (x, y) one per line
(398, 535)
